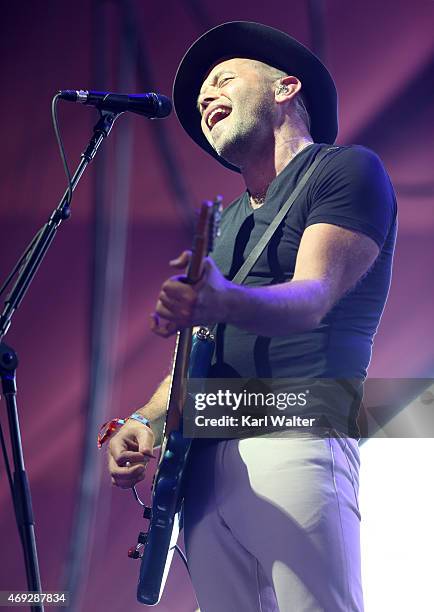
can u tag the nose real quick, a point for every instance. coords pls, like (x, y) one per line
(205, 101)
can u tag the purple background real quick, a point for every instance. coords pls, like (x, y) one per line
(382, 57)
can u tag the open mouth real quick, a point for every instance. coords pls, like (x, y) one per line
(216, 115)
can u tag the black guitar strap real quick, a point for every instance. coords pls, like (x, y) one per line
(268, 234)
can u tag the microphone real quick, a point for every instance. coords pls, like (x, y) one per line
(150, 105)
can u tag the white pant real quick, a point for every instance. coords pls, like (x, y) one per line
(272, 524)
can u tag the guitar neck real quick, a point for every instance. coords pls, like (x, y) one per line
(203, 238)
(178, 386)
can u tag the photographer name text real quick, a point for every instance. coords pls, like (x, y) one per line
(276, 420)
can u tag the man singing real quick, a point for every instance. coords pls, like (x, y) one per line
(272, 521)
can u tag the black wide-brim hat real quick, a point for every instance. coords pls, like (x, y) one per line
(249, 40)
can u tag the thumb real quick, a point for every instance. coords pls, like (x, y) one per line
(181, 261)
(145, 440)
(208, 268)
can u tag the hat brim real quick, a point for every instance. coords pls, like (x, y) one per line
(256, 41)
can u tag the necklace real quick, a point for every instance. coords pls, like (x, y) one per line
(257, 201)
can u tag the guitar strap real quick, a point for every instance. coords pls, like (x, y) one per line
(268, 234)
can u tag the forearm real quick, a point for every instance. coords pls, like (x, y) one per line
(155, 409)
(277, 310)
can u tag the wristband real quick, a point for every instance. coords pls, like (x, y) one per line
(109, 428)
(138, 417)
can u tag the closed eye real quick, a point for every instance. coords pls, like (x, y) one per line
(224, 80)
(218, 81)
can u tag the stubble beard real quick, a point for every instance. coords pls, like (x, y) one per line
(233, 143)
(242, 138)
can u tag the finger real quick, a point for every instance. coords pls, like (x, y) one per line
(180, 316)
(120, 465)
(178, 294)
(176, 288)
(119, 445)
(181, 261)
(127, 475)
(128, 472)
(153, 321)
(162, 328)
(146, 443)
(208, 266)
(123, 442)
(170, 303)
(164, 313)
(157, 324)
(132, 458)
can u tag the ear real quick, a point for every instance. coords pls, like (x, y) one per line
(286, 89)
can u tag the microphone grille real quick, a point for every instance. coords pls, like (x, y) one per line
(163, 106)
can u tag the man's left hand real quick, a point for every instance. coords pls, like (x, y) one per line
(182, 305)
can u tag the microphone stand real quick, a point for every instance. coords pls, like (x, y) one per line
(8, 359)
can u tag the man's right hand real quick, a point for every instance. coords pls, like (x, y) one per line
(133, 443)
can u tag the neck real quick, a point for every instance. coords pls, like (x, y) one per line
(259, 173)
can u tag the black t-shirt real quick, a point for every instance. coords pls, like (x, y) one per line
(350, 189)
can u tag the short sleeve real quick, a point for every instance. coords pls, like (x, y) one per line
(354, 191)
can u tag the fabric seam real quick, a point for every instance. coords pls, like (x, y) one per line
(340, 523)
